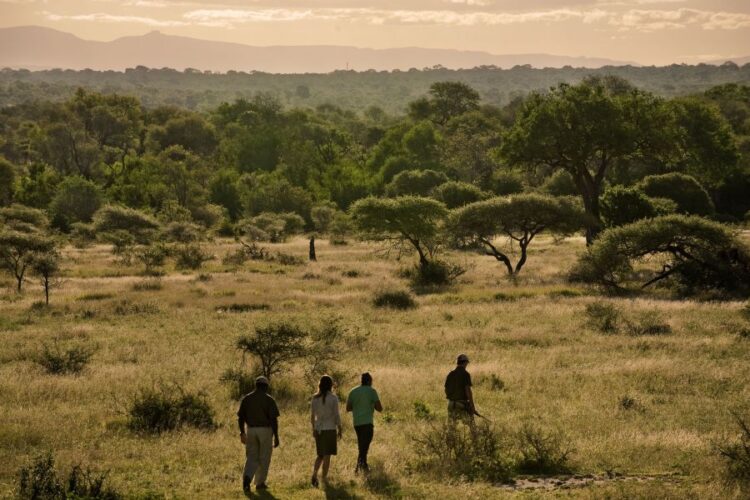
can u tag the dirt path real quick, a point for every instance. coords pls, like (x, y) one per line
(580, 481)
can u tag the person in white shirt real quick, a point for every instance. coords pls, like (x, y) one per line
(326, 426)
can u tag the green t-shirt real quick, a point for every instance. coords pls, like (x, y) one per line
(363, 399)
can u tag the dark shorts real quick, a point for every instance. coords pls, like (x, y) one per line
(325, 443)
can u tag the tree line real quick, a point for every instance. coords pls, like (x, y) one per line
(595, 155)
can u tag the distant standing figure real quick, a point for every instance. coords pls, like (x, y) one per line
(258, 420)
(458, 390)
(326, 425)
(362, 402)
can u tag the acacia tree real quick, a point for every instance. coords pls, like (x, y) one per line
(518, 218)
(586, 129)
(690, 251)
(17, 251)
(407, 220)
(47, 266)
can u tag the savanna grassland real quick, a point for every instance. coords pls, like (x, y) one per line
(645, 409)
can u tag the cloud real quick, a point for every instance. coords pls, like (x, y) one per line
(230, 17)
(655, 20)
(102, 17)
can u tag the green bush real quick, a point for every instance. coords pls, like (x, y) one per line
(451, 449)
(77, 200)
(182, 232)
(40, 481)
(691, 254)
(422, 411)
(603, 317)
(152, 257)
(457, 194)
(415, 182)
(542, 452)
(190, 256)
(60, 361)
(504, 183)
(648, 323)
(394, 299)
(240, 382)
(167, 408)
(622, 205)
(560, 183)
(433, 273)
(686, 191)
(736, 457)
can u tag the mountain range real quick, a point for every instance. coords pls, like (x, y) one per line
(36, 48)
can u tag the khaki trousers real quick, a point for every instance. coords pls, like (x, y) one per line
(258, 450)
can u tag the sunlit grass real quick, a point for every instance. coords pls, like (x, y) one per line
(530, 334)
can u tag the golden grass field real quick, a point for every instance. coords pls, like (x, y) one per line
(555, 371)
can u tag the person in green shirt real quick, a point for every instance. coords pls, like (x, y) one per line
(362, 401)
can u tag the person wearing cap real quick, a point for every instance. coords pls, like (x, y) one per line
(362, 401)
(458, 390)
(259, 432)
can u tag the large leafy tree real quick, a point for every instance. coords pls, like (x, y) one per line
(17, 251)
(407, 220)
(586, 129)
(518, 218)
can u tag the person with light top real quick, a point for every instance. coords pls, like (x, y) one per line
(362, 401)
(326, 426)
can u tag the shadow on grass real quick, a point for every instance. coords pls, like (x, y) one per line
(339, 492)
(379, 482)
(262, 494)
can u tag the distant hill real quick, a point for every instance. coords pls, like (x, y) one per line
(739, 61)
(35, 48)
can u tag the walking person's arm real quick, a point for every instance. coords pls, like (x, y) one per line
(312, 417)
(338, 419)
(241, 423)
(378, 405)
(470, 399)
(275, 429)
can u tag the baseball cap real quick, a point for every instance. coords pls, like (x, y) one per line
(261, 380)
(462, 358)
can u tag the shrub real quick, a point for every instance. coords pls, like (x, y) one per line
(322, 216)
(457, 194)
(273, 227)
(243, 308)
(61, 361)
(40, 481)
(148, 285)
(433, 273)
(542, 452)
(622, 205)
(736, 456)
(648, 323)
(686, 191)
(113, 218)
(415, 182)
(156, 410)
(82, 235)
(288, 259)
(452, 449)
(603, 317)
(394, 299)
(503, 183)
(77, 200)
(275, 345)
(422, 411)
(182, 232)
(560, 183)
(628, 403)
(240, 382)
(190, 256)
(152, 257)
(692, 254)
(248, 251)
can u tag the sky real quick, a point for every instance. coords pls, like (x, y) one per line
(642, 31)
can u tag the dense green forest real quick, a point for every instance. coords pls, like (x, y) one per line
(391, 91)
(626, 153)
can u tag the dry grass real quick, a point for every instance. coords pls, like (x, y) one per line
(555, 371)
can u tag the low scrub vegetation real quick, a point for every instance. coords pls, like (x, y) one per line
(394, 299)
(736, 457)
(451, 449)
(167, 408)
(607, 318)
(59, 360)
(41, 481)
(544, 452)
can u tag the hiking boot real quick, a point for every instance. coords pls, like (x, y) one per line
(261, 486)
(246, 484)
